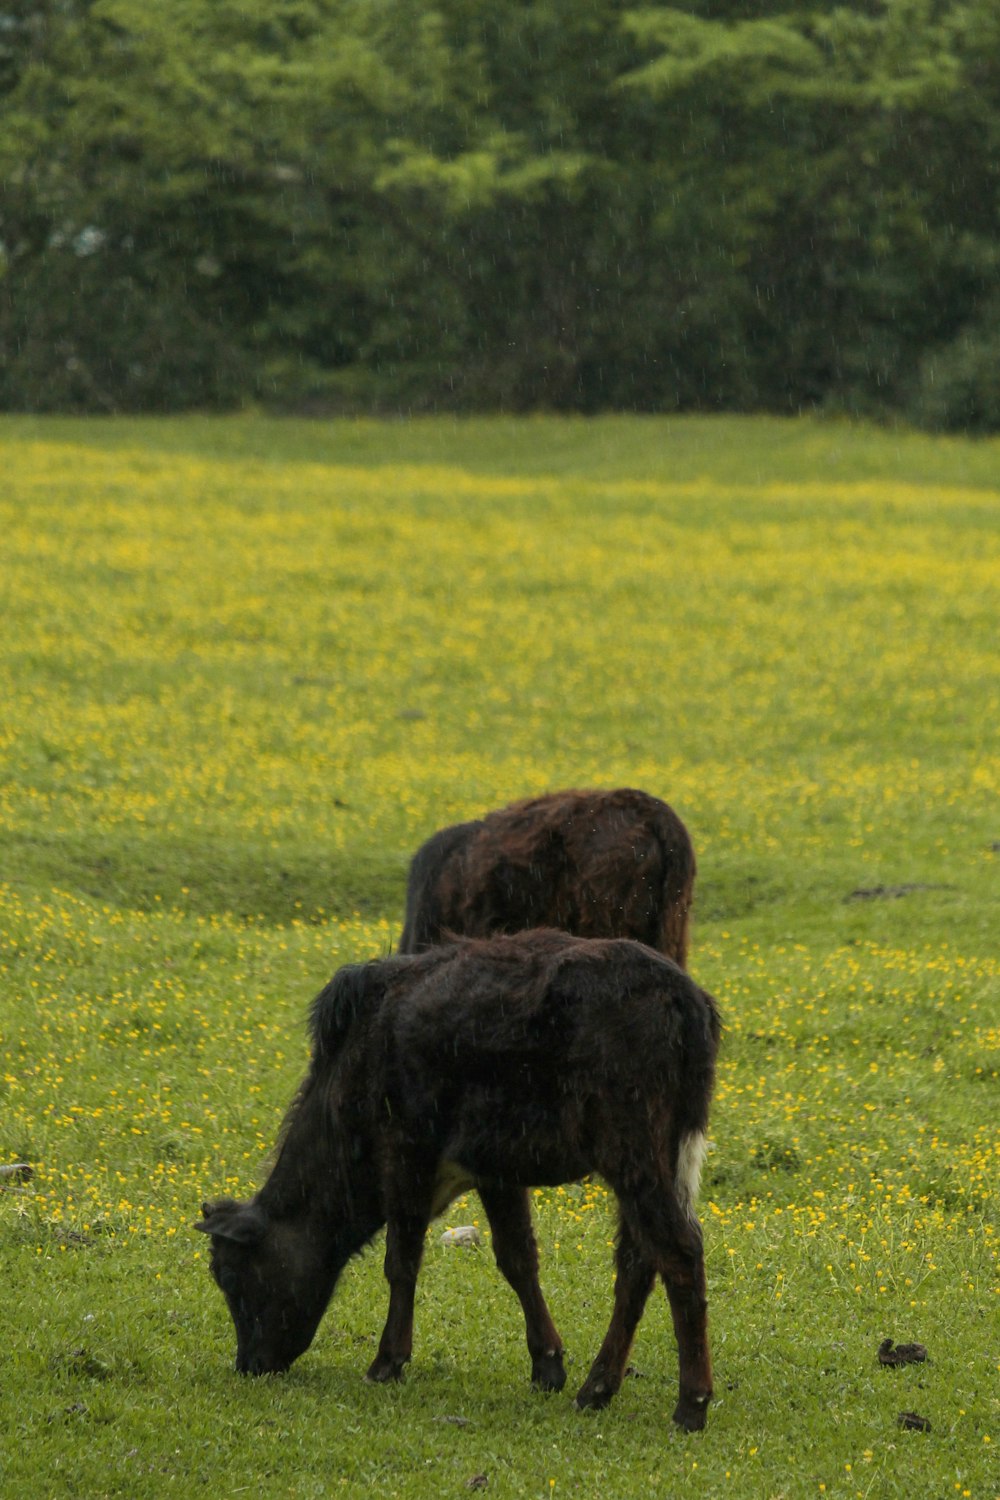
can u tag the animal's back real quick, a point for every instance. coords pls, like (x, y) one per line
(524, 1057)
(619, 864)
(595, 863)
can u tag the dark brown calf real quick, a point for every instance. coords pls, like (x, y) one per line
(595, 863)
(497, 1065)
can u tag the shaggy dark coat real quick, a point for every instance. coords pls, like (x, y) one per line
(500, 1065)
(595, 863)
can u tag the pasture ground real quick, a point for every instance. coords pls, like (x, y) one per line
(246, 667)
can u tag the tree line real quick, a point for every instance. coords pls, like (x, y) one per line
(542, 204)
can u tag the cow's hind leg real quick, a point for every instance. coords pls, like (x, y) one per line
(404, 1245)
(672, 1237)
(509, 1212)
(635, 1274)
(684, 1275)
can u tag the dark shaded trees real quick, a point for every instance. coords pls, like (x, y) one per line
(547, 204)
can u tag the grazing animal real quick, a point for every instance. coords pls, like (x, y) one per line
(500, 1065)
(596, 863)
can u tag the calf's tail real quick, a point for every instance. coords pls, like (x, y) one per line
(687, 1172)
(701, 1044)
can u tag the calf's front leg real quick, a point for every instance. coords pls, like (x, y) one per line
(404, 1246)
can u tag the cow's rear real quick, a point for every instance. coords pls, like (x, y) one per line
(595, 863)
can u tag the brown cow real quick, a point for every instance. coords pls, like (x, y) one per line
(595, 863)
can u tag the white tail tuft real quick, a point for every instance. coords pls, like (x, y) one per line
(690, 1156)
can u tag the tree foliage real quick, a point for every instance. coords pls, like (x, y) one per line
(575, 204)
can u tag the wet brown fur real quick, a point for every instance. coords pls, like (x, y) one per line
(596, 863)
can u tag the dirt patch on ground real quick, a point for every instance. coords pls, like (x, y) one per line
(892, 892)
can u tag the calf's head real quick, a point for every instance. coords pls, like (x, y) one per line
(274, 1282)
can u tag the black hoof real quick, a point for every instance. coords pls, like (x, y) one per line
(382, 1370)
(547, 1372)
(691, 1412)
(594, 1395)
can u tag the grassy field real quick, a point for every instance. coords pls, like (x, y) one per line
(246, 666)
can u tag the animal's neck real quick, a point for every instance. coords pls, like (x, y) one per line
(320, 1180)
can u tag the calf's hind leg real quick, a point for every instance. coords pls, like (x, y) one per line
(634, 1279)
(672, 1237)
(509, 1212)
(684, 1275)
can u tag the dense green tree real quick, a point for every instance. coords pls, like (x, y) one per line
(563, 203)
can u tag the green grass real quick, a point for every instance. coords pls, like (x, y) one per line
(246, 667)
(731, 450)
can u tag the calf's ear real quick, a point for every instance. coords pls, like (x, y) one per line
(242, 1222)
